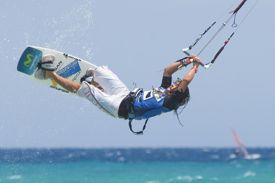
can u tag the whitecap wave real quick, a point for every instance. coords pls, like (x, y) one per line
(187, 178)
(214, 179)
(15, 177)
(152, 181)
(249, 174)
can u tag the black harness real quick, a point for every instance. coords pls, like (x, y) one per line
(127, 111)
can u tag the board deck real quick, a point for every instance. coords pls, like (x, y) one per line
(68, 66)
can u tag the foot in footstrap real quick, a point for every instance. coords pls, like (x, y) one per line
(88, 77)
(46, 64)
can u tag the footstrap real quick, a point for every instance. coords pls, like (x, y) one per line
(47, 66)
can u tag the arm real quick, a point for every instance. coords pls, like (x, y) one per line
(188, 77)
(65, 83)
(172, 68)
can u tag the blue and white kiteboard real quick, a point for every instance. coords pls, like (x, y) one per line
(68, 66)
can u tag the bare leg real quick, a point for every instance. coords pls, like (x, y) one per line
(68, 84)
(64, 82)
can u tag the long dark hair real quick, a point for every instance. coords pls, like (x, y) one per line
(185, 99)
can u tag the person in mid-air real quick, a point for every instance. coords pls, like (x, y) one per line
(104, 89)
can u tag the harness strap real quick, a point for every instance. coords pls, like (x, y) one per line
(131, 112)
(138, 132)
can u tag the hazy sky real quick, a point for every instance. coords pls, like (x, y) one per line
(137, 39)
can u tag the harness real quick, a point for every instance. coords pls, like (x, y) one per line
(139, 104)
(131, 112)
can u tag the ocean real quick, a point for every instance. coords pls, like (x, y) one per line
(136, 165)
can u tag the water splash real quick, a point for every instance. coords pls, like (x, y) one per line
(72, 31)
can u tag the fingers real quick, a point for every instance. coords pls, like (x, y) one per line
(195, 58)
(196, 62)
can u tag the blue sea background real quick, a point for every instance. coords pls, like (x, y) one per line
(135, 165)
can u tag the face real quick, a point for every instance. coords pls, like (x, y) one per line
(171, 89)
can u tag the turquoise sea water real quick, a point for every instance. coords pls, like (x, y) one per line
(71, 167)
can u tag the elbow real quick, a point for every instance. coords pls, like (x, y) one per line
(167, 73)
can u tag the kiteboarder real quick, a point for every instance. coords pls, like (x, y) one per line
(104, 89)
